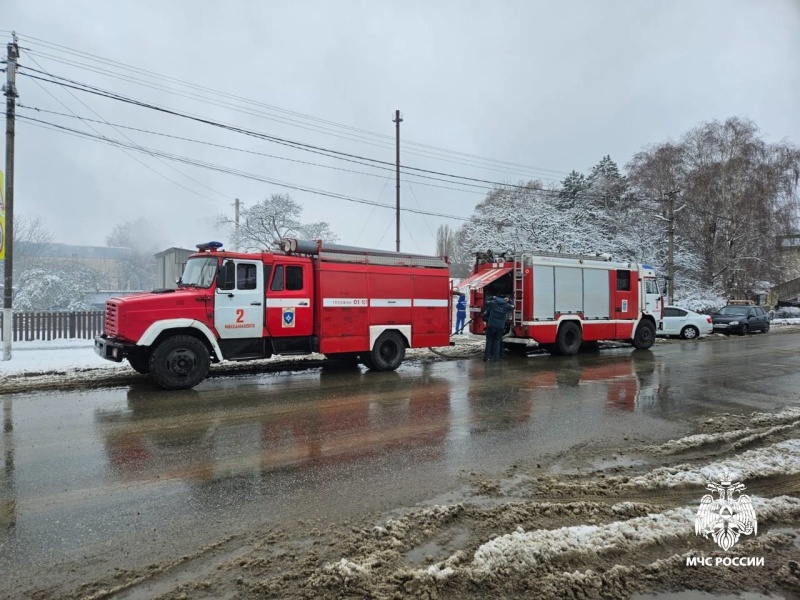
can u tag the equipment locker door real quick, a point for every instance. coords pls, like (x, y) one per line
(289, 308)
(626, 305)
(239, 300)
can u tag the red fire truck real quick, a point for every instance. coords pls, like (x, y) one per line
(345, 302)
(562, 301)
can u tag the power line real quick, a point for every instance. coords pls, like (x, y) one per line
(66, 82)
(75, 115)
(256, 153)
(53, 47)
(227, 170)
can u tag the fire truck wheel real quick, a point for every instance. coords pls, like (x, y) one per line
(139, 363)
(568, 340)
(645, 335)
(388, 352)
(180, 362)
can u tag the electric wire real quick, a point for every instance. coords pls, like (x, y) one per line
(172, 167)
(228, 170)
(263, 154)
(53, 47)
(291, 143)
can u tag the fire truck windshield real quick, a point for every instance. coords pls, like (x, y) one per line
(199, 273)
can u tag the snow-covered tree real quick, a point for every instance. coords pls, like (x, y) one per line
(56, 287)
(271, 220)
(526, 217)
(740, 193)
(605, 184)
(572, 189)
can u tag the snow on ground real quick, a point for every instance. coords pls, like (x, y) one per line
(522, 551)
(779, 459)
(792, 321)
(525, 551)
(782, 421)
(54, 355)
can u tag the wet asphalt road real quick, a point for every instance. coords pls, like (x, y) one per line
(120, 478)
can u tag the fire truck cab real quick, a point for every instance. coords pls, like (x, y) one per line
(345, 302)
(562, 301)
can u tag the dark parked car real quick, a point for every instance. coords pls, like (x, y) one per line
(740, 319)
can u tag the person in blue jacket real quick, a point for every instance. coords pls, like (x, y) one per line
(495, 317)
(461, 313)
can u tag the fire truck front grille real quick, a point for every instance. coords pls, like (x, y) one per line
(111, 319)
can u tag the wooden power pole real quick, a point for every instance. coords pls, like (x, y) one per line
(8, 235)
(397, 120)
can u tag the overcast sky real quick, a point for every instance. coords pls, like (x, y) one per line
(547, 86)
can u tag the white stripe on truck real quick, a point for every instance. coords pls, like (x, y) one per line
(383, 302)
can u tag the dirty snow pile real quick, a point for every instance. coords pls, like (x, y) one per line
(522, 551)
(782, 421)
(782, 458)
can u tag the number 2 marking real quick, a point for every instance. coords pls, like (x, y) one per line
(239, 315)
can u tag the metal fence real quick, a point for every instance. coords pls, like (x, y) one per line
(51, 325)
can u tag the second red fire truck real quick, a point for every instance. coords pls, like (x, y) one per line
(345, 302)
(564, 301)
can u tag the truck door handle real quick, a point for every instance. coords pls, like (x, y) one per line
(619, 310)
(255, 304)
(302, 303)
(230, 295)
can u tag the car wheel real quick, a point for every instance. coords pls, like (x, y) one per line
(745, 330)
(766, 328)
(690, 332)
(568, 340)
(645, 335)
(388, 352)
(180, 362)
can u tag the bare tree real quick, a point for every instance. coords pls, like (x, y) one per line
(740, 193)
(141, 235)
(31, 237)
(271, 220)
(444, 240)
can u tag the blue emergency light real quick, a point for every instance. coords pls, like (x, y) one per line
(209, 246)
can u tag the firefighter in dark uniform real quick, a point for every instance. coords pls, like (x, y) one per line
(497, 308)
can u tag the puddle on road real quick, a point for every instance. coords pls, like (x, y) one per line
(597, 465)
(447, 544)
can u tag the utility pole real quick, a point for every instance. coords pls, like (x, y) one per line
(8, 281)
(397, 120)
(236, 223)
(671, 236)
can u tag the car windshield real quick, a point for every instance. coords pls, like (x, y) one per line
(199, 272)
(738, 311)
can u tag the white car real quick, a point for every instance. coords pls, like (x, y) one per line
(684, 323)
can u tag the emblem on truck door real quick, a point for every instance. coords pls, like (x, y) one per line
(288, 317)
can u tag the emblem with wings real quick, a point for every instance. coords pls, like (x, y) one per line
(725, 518)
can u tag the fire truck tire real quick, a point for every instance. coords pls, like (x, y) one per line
(139, 363)
(569, 338)
(388, 352)
(180, 362)
(645, 335)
